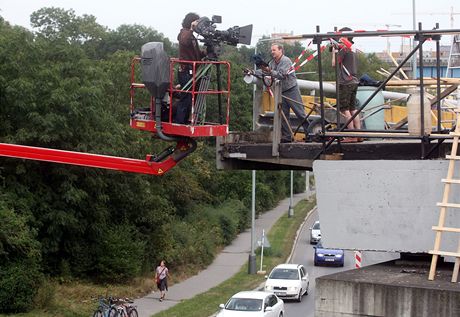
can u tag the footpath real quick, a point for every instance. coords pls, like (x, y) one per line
(225, 265)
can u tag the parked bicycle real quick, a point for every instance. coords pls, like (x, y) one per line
(106, 308)
(125, 308)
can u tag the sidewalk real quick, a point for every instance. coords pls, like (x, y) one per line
(225, 265)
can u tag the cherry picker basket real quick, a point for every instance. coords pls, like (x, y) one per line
(210, 93)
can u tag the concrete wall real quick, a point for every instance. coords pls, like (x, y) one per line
(384, 205)
(339, 298)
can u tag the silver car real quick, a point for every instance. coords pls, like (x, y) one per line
(288, 281)
(315, 233)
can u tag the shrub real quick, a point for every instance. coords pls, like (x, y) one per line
(119, 255)
(20, 270)
(19, 282)
(229, 217)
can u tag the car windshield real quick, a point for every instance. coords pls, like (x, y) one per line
(244, 304)
(284, 274)
(316, 226)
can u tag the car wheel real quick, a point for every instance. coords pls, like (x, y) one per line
(308, 286)
(299, 297)
(315, 263)
(281, 314)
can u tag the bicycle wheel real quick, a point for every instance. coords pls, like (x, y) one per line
(113, 312)
(133, 312)
(98, 313)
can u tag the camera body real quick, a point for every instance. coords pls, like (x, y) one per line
(213, 38)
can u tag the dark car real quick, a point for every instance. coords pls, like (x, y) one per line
(325, 256)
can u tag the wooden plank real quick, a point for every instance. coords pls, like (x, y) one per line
(399, 124)
(445, 253)
(456, 266)
(445, 229)
(397, 65)
(434, 262)
(450, 181)
(448, 205)
(416, 82)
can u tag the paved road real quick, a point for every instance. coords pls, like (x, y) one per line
(227, 264)
(304, 253)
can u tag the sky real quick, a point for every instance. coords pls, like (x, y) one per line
(269, 16)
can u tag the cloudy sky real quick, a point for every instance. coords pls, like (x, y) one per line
(269, 16)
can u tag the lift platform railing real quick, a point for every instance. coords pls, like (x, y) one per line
(210, 99)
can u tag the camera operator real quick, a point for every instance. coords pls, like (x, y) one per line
(279, 68)
(190, 51)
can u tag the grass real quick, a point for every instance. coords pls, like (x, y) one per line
(281, 238)
(79, 298)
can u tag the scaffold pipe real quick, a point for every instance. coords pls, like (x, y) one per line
(328, 87)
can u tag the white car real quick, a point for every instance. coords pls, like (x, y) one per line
(315, 233)
(288, 281)
(253, 303)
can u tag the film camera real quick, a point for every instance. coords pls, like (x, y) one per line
(213, 38)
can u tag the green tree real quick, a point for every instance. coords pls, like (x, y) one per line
(60, 24)
(20, 271)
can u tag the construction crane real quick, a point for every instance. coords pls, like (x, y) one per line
(451, 14)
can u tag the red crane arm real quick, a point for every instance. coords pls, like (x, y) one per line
(151, 165)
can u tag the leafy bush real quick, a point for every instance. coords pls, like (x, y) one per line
(20, 271)
(229, 218)
(19, 282)
(119, 255)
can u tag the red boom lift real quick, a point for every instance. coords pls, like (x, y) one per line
(158, 78)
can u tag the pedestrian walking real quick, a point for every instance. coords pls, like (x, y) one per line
(161, 278)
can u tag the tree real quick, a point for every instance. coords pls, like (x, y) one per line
(20, 271)
(59, 24)
(131, 38)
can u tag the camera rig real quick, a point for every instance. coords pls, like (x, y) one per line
(213, 38)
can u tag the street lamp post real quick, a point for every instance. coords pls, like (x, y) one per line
(291, 208)
(252, 255)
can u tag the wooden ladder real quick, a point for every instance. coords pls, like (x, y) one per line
(440, 228)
